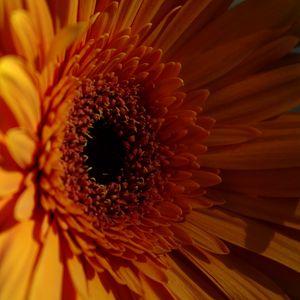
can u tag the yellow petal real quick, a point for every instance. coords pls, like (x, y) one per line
(24, 34)
(97, 290)
(42, 20)
(19, 92)
(64, 39)
(18, 253)
(20, 146)
(78, 276)
(49, 269)
(25, 204)
(9, 182)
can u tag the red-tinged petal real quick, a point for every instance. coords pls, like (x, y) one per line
(18, 254)
(86, 9)
(266, 183)
(230, 135)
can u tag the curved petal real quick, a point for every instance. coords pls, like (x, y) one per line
(20, 146)
(25, 204)
(19, 92)
(9, 182)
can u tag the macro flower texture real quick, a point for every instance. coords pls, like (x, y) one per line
(149, 149)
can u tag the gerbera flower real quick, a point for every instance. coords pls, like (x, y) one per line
(119, 120)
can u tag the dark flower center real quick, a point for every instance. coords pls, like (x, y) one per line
(105, 153)
(111, 157)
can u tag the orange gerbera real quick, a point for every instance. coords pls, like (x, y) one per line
(118, 121)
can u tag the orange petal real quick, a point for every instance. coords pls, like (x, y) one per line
(185, 17)
(238, 22)
(267, 55)
(21, 147)
(48, 269)
(235, 277)
(86, 9)
(202, 69)
(154, 291)
(25, 204)
(25, 35)
(247, 233)
(257, 98)
(97, 290)
(78, 276)
(267, 183)
(186, 283)
(9, 182)
(42, 20)
(18, 254)
(229, 135)
(286, 278)
(205, 240)
(273, 150)
(280, 211)
(19, 92)
(151, 270)
(64, 39)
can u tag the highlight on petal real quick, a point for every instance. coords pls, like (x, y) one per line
(25, 35)
(9, 182)
(25, 204)
(20, 146)
(19, 92)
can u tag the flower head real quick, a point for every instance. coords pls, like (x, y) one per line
(120, 120)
